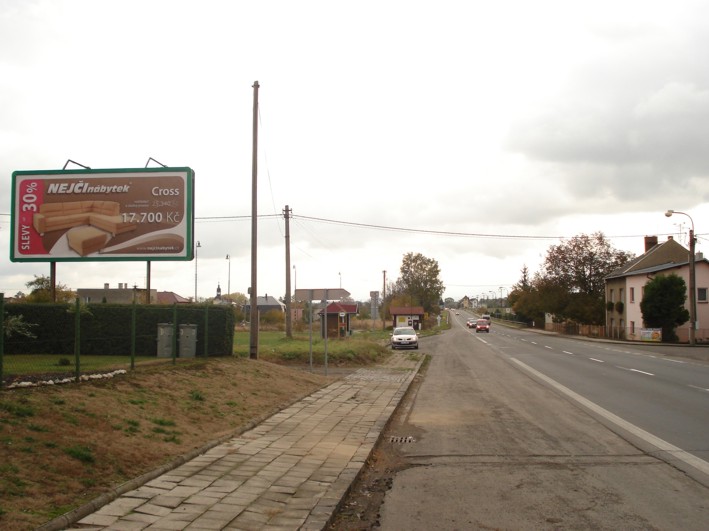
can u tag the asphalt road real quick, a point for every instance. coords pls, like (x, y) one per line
(515, 430)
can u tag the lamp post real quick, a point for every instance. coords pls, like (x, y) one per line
(195, 271)
(504, 305)
(692, 280)
(228, 284)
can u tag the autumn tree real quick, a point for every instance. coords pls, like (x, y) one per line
(41, 288)
(662, 305)
(525, 299)
(420, 280)
(573, 277)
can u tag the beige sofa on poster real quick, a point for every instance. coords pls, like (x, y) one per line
(104, 215)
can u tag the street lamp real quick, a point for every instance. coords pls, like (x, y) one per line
(506, 295)
(195, 270)
(228, 285)
(692, 280)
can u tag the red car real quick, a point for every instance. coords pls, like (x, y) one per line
(482, 326)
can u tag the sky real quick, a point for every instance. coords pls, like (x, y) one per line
(475, 133)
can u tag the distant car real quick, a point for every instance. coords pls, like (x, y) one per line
(470, 323)
(482, 325)
(486, 317)
(404, 337)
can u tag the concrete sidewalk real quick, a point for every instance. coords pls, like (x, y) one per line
(289, 472)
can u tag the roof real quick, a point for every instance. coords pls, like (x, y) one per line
(406, 310)
(339, 307)
(169, 297)
(663, 255)
(266, 301)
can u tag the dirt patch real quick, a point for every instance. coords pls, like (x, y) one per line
(359, 510)
(61, 446)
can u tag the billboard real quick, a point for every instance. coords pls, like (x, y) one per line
(98, 215)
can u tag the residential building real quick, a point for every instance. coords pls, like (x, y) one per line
(121, 295)
(625, 286)
(265, 304)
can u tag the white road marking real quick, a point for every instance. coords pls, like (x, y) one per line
(596, 359)
(648, 437)
(635, 370)
(697, 387)
(547, 346)
(567, 352)
(674, 361)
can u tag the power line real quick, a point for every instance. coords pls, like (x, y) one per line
(212, 219)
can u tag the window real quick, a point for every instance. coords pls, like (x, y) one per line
(702, 295)
(620, 295)
(610, 297)
(632, 294)
(632, 325)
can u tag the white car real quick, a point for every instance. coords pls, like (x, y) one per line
(404, 337)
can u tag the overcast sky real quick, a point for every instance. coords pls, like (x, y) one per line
(492, 128)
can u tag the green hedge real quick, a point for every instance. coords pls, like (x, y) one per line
(106, 328)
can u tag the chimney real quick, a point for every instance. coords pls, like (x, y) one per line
(650, 242)
(105, 285)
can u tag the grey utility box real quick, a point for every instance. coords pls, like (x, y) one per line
(165, 340)
(188, 340)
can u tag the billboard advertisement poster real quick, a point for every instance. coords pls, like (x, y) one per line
(97, 215)
(651, 334)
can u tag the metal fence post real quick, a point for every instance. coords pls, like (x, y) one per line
(174, 333)
(206, 330)
(2, 338)
(77, 339)
(132, 336)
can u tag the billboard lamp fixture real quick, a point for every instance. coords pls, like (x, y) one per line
(74, 162)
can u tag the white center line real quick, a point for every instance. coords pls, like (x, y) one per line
(567, 352)
(594, 359)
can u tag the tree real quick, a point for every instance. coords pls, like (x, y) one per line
(662, 305)
(41, 288)
(574, 275)
(420, 280)
(524, 299)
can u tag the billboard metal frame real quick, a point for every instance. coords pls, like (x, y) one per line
(137, 212)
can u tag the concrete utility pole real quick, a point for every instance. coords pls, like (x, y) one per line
(253, 335)
(289, 325)
(692, 279)
(384, 297)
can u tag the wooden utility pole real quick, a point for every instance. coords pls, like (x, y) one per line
(253, 335)
(289, 325)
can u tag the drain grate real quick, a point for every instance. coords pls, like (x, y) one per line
(399, 439)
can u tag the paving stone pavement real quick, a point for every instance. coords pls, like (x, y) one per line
(289, 472)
